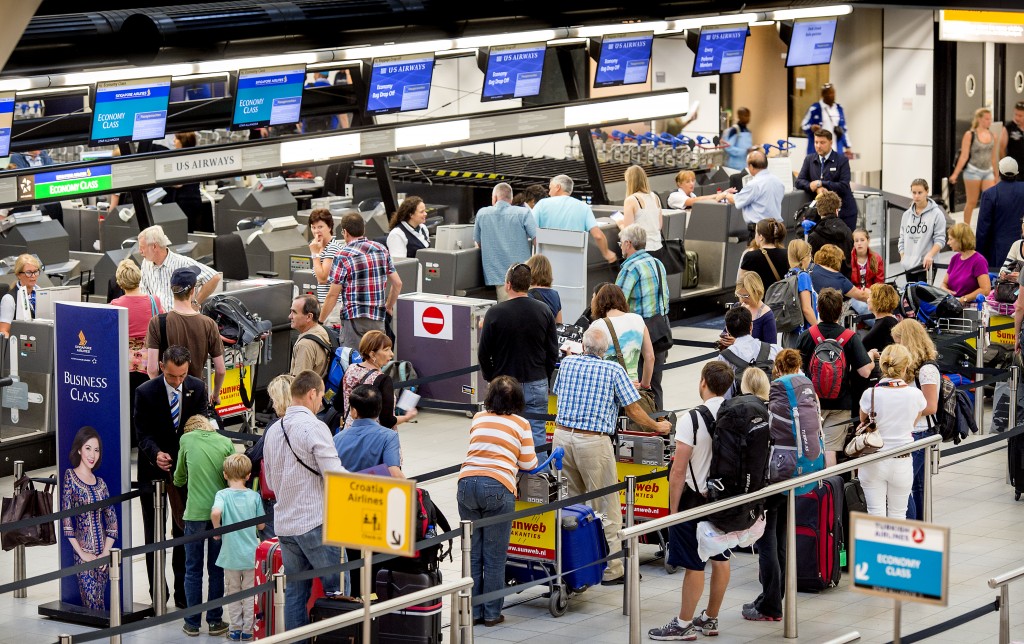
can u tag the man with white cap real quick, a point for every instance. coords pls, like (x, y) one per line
(999, 218)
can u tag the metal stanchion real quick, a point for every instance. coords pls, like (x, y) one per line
(457, 599)
(979, 392)
(789, 607)
(466, 604)
(897, 610)
(19, 551)
(929, 463)
(1014, 383)
(630, 518)
(1004, 614)
(64, 638)
(278, 602)
(159, 556)
(366, 574)
(115, 592)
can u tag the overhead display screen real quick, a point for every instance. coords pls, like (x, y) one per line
(6, 120)
(130, 110)
(812, 41)
(400, 84)
(720, 50)
(624, 59)
(513, 71)
(266, 96)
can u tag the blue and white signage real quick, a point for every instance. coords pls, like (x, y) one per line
(720, 50)
(132, 110)
(811, 43)
(901, 559)
(400, 84)
(513, 71)
(267, 96)
(624, 59)
(6, 121)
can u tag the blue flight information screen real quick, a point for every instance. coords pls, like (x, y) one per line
(266, 96)
(811, 43)
(513, 71)
(130, 110)
(400, 84)
(6, 121)
(624, 59)
(720, 50)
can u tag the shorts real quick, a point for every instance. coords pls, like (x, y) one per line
(835, 437)
(682, 547)
(976, 174)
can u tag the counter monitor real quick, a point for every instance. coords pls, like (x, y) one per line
(129, 110)
(266, 96)
(400, 84)
(6, 120)
(720, 50)
(624, 59)
(513, 71)
(811, 42)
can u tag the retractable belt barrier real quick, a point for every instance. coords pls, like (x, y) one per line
(953, 622)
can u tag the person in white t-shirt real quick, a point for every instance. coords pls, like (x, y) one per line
(688, 486)
(896, 406)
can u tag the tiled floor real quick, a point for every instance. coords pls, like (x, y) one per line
(971, 497)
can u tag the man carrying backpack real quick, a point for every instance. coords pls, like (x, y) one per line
(687, 490)
(746, 350)
(312, 350)
(832, 354)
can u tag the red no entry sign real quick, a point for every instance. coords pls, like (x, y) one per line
(433, 320)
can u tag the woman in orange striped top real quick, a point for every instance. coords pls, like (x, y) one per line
(500, 444)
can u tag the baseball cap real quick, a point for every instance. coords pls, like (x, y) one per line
(1008, 166)
(184, 278)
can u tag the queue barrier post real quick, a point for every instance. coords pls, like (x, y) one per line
(159, 556)
(979, 392)
(19, 551)
(789, 607)
(63, 638)
(1012, 418)
(115, 592)
(278, 603)
(459, 615)
(928, 471)
(627, 594)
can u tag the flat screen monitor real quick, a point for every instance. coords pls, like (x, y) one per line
(624, 59)
(266, 96)
(811, 43)
(513, 71)
(6, 121)
(130, 110)
(720, 50)
(400, 83)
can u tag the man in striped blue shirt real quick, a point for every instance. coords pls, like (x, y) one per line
(590, 392)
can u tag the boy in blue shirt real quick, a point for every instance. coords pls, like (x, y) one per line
(234, 504)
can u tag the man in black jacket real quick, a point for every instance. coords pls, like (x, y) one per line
(830, 229)
(162, 405)
(828, 170)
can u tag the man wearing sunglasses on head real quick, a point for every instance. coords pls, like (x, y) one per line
(20, 303)
(1011, 141)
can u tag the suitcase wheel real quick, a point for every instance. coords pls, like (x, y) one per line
(671, 569)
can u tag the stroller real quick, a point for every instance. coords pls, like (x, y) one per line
(928, 304)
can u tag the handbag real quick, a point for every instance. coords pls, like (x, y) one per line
(657, 325)
(673, 256)
(866, 439)
(27, 503)
(1006, 291)
(646, 401)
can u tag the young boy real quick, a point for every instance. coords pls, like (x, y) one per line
(234, 504)
(200, 459)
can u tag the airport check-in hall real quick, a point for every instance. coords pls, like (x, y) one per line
(576, 271)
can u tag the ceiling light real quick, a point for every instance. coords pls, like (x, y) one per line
(628, 28)
(627, 109)
(398, 49)
(312, 150)
(497, 40)
(708, 21)
(811, 12)
(433, 134)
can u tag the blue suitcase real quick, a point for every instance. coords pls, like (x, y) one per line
(582, 543)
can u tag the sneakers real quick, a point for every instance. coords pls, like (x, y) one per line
(754, 615)
(705, 624)
(246, 637)
(239, 636)
(217, 628)
(674, 631)
(191, 631)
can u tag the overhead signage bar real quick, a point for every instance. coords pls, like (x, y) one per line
(981, 26)
(64, 183)
(6, 121)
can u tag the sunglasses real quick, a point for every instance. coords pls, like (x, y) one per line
(1019, 105)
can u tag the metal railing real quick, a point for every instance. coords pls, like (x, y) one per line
(632, 535)
(1002, 582)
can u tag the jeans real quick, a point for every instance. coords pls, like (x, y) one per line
(887, 486)
(480, 497)
(915, 508)
(590, 465)
(298, 554)
(194, 573)
(536, 394)
(771, 557)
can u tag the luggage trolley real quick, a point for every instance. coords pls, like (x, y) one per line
(240, 364)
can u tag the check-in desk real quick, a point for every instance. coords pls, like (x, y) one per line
(83, 227)
(246, 203)
(718, 234)
(791, 202)
(27, 416)
(169, 216)
(272, 247)
(46, 239)
(270, 299)
(451, 272)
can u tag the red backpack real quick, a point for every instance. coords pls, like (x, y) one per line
(828, 363)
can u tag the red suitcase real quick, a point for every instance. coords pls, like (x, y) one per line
(268, 562)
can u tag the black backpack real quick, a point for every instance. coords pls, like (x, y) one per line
(954, 419)
(761, 361)
(429, 522)
(740, 447)
(238, 326)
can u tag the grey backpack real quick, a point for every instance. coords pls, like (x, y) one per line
(783, 298)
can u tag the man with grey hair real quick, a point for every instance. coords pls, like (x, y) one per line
(590, 391)
(159, 262)
(643, 280)
(503, 233)
(560, 210)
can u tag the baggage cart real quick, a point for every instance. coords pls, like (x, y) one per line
(240, 364)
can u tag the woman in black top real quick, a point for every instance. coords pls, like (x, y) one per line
(882, 301)
(770, 252)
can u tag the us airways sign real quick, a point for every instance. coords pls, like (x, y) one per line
(198, 165)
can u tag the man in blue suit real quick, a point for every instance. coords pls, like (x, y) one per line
(825, 169)
(826, 114)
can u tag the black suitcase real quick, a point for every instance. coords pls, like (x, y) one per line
(332, 606)
(853, 501)
(419, 624)
(1015, 458)
(819, 534)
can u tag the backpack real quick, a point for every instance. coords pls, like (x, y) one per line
(928, 304)
(827, 368)
(761, 361)
(954, 419)
(401, 371)
(238, 326)
(794, 424)
(740, 445)
(341, 359)
(330, 348)
(429, 522)
(783, 298)
(691, 270)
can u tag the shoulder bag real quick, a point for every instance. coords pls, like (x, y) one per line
(771, 265)
(657, 324)
(646, 401)
(866, 439)
(28, 503)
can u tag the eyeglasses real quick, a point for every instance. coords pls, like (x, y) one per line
(29, 273)
(743, 296)
(1019, 105)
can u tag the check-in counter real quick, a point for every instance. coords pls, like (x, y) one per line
(169, 216)
(246, 203)
(718, 234)
(45, 239)
(451, 272)
(83, 227)
(272, 247)
(271, 299)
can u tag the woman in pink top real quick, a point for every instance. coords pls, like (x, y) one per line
(967, 275)
(141, 308)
